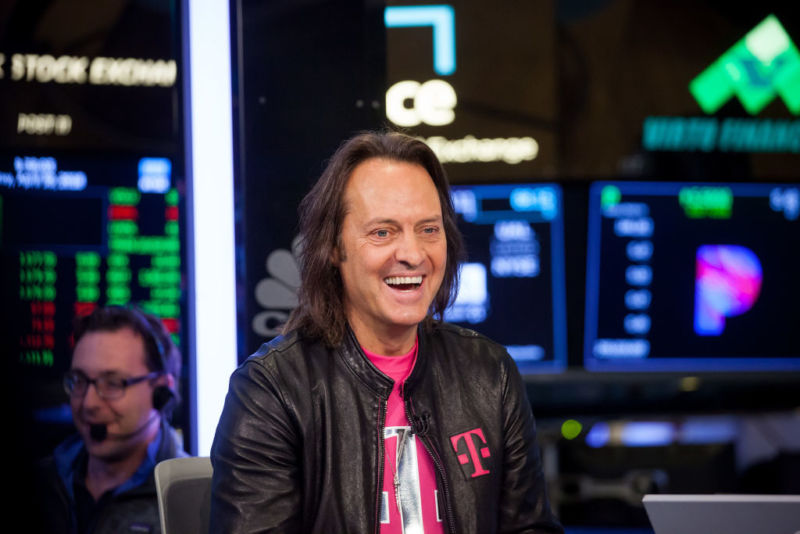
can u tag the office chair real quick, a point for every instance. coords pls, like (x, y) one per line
(183, 486)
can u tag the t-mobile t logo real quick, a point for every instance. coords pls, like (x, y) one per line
(470, 447)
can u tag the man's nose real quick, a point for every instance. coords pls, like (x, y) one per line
(410, 250)
(91, 397)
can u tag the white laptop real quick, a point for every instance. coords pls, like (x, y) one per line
(723, 514)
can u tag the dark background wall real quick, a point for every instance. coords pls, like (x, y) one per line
(579, 76)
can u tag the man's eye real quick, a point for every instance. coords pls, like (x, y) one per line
(431, 229)
(382, 233)
(114, 383)
(78, 378)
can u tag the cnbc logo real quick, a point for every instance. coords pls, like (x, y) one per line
(761, 66)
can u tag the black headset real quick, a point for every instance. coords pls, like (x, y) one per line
(163, 396)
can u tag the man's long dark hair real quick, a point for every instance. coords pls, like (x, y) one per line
(320, 312)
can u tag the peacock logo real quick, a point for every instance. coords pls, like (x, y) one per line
(277, 293)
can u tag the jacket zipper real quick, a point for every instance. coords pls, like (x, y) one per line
(381, 455)
(437, 462)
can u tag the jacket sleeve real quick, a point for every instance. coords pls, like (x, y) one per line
(256, 481)
(524, 506)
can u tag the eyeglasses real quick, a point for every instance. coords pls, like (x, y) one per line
(108, 387)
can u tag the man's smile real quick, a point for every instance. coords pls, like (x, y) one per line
(403, 283)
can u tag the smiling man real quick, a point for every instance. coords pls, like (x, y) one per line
(121, 387)
(392, 253)
(369, 414)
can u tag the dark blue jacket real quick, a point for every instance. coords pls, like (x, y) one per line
(133, 507)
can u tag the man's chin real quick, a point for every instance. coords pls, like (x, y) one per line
(106, 451)
(409, 317)
(402, 326)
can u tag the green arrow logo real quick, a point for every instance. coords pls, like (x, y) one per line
(764, 64)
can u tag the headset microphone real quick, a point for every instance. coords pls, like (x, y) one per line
(162, 396)
(99, 432)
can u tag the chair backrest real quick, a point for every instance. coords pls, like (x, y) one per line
(183, 486)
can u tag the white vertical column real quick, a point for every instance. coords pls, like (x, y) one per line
(212, 299)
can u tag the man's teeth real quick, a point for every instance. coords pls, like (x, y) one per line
(403, 280)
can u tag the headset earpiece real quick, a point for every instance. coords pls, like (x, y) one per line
(162, 396)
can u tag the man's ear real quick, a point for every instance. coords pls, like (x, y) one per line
(337, 255)
(166, 379)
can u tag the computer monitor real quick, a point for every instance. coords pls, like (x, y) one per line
(76, 232)
(724, 513)
(692, 277)
(512, 282)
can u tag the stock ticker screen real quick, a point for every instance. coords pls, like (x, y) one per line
(511, 285)
(693, 277)
(77, 233)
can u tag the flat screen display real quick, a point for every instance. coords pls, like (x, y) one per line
(75, 233)
(693, 277)
(512, 283)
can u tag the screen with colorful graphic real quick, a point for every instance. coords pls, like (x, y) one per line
(75, 233)
(693, 277)
(511, 285)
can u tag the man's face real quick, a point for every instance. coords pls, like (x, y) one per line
(119, 354)
(393, 251)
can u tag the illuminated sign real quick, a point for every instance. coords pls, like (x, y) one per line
(45, 68)
(706, 201)
(91, 83)
(93, 102)
(434, 100)
(510, 150)
(729, 135)
(42, 173)
(432, 104)
(43, 124)
(441, 19)
(764, 64)
(154, 175)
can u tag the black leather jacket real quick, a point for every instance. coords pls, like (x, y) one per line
(299, 446)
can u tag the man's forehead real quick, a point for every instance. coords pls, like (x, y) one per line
(379, 185)
(110, 351)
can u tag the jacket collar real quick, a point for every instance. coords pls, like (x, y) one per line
(423, 355)
(71, 455)
(352, 354)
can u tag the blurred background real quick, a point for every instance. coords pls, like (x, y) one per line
(626, 174)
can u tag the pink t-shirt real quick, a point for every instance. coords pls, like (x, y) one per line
(415, 473)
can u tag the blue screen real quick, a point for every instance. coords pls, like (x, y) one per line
(693, 277)
(512, 282)
(77, 232)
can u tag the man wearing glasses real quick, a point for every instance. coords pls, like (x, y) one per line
(121, 387)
